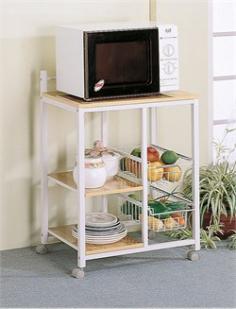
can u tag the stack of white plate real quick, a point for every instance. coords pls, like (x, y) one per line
(102, 228)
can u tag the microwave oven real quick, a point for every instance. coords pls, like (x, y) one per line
(115, 60)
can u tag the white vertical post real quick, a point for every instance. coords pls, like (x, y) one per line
(104, 127)
(104, 138)
(81, 187)
(43, 82)
(44, 171)
(144, 178)
(153, 118)
(195, 177)
(153, 129)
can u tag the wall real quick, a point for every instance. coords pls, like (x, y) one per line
(27, 45)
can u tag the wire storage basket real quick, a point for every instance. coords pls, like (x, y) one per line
(160, 175)
(166, 212)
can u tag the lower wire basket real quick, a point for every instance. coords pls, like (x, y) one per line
(166, 212)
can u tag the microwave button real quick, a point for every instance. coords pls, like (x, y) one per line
(98, 86)
(169, 68)
(168, 50)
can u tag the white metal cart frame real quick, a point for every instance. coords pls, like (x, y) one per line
(145, 106)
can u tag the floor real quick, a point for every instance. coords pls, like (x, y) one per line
(154, 279)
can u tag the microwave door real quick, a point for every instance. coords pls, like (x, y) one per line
(122, 63)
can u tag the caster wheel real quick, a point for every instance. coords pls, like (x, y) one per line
(193, 256)
(77, 273)
(151, 235)
(41, 249)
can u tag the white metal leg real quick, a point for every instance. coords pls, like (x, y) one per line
(44, 172)
(144, 178)
(195, 178)
(153, 129)
(153, 120)
(81, 188)
(104, 138)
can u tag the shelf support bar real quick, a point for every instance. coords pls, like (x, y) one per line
(81, 187)
(104, 138)
(144, 177)
(104, 127)
(195, 177)
(44, 170)
(153, 116)
(153, 129)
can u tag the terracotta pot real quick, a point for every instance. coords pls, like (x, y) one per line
(229, 225)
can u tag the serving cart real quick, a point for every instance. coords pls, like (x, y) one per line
(133, 177)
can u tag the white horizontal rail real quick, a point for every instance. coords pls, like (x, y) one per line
(138, 106)
(224, 33)
(224, 77)
(166, 245)
(223, 121)
(117, 107)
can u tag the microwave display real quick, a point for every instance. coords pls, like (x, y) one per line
(123, 62)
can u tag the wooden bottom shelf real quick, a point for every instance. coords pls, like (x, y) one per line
(64, 233)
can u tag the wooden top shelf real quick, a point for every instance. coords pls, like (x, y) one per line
(114, 186)
(77, 102)
(64, 233)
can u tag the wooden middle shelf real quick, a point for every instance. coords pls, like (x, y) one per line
(64, 233)
(114, 186)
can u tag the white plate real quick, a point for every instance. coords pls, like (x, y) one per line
(100, 219)
(106, 237)
(106, 233)
(104, 242)
(102, 228)
(102, 237)
(100, 234)
(111, 233)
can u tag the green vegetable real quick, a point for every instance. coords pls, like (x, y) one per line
(159, 209)
(173, 206)
(169, 157)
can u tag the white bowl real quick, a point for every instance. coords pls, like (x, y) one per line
(112, 164)
(94, 172)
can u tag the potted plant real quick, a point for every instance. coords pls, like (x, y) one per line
(217, 190)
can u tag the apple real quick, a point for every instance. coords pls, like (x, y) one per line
(152, 154)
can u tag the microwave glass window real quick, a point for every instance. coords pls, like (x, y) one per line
(123, 62)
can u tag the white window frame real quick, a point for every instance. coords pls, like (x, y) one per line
(212, 78)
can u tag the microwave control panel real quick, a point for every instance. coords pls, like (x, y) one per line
(168, 55)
